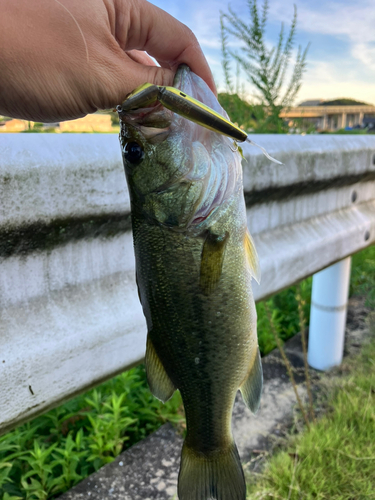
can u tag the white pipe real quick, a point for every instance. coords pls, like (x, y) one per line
(329, 297)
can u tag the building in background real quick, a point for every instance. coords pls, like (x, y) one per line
(315, 113)
(13, 125)
(90, 123)
(369, 123)
(329, 117)
(97, 122)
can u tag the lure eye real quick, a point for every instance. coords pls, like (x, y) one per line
(133, 153)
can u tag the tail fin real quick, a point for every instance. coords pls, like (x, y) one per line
(218, 475)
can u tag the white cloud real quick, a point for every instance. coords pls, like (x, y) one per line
(213, 61)
(325, 81)
(353, 22)
(212, 43)
(364, 53)
(353, 90)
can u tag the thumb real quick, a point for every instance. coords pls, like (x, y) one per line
(122, 72)
(158, 75)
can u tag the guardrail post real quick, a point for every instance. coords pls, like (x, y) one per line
(329, 299)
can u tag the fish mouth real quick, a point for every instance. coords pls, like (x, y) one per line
(156, 122)
(152, 122)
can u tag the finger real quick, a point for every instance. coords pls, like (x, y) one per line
(137, 72)
(118, 73)
(167, 40)
(164, 65)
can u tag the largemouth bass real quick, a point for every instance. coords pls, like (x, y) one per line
(194, 263)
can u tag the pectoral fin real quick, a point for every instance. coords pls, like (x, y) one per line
(252, 257)
(212, 261)
(160, 384)
(251, 388)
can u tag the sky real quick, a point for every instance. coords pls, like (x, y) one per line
(341, 57)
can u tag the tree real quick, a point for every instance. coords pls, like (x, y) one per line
(239, 111)
(265, 67)
(344, 102)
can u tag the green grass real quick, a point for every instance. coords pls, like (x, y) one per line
(362, 280)
(342, 131)
(284, 309)
(50, 454)
(335, 460)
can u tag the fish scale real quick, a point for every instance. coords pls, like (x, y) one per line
(194, 280)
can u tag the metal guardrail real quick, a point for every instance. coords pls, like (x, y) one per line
(69, 311)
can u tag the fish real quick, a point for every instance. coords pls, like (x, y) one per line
(195, 260)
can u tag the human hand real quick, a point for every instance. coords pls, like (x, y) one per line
(62, 59)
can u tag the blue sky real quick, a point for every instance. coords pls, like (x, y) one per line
(341, 58)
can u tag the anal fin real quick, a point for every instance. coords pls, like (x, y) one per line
(251, 388)
(159, 382)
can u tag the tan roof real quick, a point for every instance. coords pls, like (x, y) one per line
(320, 111)
(90, 123)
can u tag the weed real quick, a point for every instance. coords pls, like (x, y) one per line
(363, 275)
(287, 363)
(285, 315)
(302, 324)
(336, 458)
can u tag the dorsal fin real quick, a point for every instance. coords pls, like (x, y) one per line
(252, 257)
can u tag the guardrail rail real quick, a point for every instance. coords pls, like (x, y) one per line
(69, 311)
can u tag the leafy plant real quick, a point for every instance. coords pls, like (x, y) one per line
(239, 111)
(52, 453)
(109, 429)
(285, 316)
(266, 68)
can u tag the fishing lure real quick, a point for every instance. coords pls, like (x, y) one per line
(188, 107)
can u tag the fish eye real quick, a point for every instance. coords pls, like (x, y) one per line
(133, 152)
